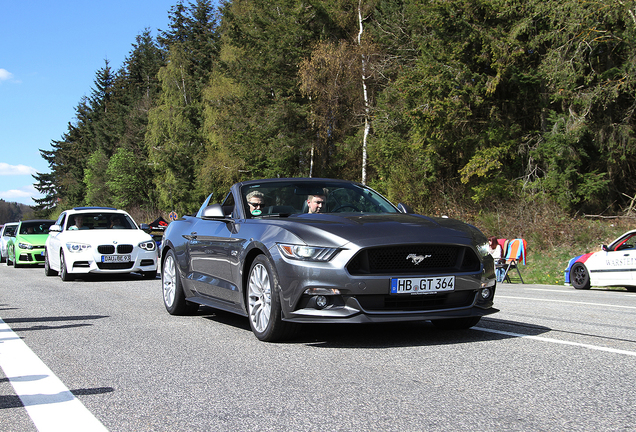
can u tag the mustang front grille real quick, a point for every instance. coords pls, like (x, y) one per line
(451, 300)
(414, 259)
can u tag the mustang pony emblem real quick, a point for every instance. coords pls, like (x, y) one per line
(417, 258)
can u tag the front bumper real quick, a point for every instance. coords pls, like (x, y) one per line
(367, 298)
(90, 262)
(30, 256)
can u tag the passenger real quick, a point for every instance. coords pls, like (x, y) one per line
(115, 222)
(316, 203)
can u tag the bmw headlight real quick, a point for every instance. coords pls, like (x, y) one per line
(77, 247)
(307, 253)
(148, 245)
(25, 246)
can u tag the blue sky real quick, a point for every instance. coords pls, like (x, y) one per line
(49, 54)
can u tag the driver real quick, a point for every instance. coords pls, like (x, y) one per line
(256, 202)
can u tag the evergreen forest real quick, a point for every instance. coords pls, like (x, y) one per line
(452, 106)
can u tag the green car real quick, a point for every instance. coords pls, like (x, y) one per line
(26, 245)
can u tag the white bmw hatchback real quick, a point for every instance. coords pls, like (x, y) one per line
(98, 240)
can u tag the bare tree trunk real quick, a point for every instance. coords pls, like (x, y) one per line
(366, 98)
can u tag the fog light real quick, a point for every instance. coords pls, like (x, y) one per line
(486, 293)
(321, 301)
(322, 291)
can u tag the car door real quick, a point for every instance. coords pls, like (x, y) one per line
(210, 246)
(617, 265)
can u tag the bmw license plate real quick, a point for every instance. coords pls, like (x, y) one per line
(115, 258)
(422, 285)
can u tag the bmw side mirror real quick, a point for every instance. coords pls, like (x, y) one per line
(144, 227)
(403, 208)
(55, 228)
(604, 247)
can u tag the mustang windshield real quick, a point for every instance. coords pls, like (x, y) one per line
(286, 198)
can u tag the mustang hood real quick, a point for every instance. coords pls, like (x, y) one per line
(372, 229)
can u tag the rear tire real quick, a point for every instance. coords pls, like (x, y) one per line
(173, 296)
(456, 323)
(579, 276)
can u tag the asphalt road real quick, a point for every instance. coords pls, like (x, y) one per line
(553, 359)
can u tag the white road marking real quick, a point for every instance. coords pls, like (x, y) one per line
(49, 403)
(556, 341)
(567, 301)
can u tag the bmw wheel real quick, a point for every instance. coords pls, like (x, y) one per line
(47, 266)
(579, 276)
(173, 296)
(64, 274)
(263, 303)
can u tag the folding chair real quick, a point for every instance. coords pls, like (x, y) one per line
(515, 254)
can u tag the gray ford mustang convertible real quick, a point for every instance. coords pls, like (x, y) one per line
(289, 251)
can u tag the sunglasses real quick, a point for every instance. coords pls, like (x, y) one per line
(253, 204)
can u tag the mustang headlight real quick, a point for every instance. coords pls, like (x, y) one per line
(307, 253)
(25, 246)
(77, 247)
(483, 249)
(148, 245)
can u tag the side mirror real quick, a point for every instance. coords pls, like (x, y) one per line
(403, 208)
(144, 227)
(214, 211)
(604, 247)
(55, 228)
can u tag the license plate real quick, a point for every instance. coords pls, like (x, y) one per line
(115, 258)
(422, 285)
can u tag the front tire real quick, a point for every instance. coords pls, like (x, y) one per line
(579, 276)
(47, 266)
(64, 274)
(15, 262)
(263, 303)
(173, 296)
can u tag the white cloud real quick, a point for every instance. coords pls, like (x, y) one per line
(6, 169)
(5, 75)
(23, 195)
